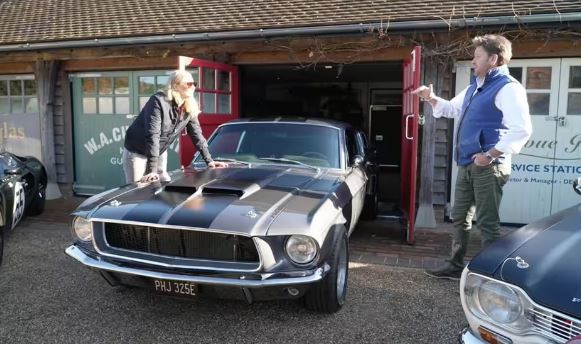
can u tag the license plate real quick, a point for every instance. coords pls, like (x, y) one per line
(177, 288)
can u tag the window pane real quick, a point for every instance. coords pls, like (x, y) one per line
(224, 103)
(539, 78)
(89, 86)
(89, 105)
(106, 105)
(575, 77)
(574, 104)
(3, 87)
(105, 86)
(539, 103)
(197, 96)
(161, 82)
(31, 104)
(122, 105)
(209, 79)
(195, 71)
(29, 87)
(122, 85)
(209, 105)
(15, 87)
(146, 85)
(4, 106)
(516, 72)
(142, 102)
(224, 81)
(16, 104)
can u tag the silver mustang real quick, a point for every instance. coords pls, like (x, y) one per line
(274, 224)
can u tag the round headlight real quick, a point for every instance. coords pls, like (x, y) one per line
(500, 302)
(83, 229)
(301, 249)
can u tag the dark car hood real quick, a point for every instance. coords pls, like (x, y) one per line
(237, 200)
(551, 249)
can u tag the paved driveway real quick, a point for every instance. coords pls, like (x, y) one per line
(46, 297)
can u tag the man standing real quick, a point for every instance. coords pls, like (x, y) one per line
(494, 123)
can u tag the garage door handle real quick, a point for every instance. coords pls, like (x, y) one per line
(407, 126)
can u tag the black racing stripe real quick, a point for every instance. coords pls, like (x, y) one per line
(202, 211)
(153, 209)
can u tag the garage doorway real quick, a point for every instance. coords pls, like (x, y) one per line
(367, 95)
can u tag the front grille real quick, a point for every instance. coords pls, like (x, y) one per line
(181, 243)
(558, 327)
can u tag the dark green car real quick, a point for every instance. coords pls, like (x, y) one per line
(22, 191)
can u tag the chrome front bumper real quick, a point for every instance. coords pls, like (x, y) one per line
(466, 337)
(266, 281)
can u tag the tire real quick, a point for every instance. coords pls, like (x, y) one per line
(329, 294)
(369, 211)
(37, 205)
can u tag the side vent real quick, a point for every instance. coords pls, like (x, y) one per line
(222, 191)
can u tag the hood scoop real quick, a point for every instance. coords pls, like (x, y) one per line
(180, 188)
(230, 187)
(222, 191)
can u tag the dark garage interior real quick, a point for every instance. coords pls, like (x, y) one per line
(357, 93)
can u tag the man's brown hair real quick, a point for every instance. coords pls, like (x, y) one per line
(495, 44)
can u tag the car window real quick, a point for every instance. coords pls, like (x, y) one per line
(314, 145)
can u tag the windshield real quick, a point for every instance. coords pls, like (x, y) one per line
(273, 143)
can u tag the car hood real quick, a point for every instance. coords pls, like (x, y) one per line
(549, 270)
(236, 200)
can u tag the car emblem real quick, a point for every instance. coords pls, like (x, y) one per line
(251, 214)
(115, 203)
(576, 300)
(521, 264)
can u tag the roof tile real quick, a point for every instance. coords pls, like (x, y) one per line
(30, 21)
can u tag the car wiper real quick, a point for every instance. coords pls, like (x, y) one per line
(234, 161)
(289, 161)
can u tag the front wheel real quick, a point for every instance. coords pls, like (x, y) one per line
(329, 294)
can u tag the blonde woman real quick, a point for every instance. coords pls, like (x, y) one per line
(158, 125)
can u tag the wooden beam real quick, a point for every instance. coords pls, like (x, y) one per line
(16, 68)
(425, 216)
(201, 48)
(46, 76)
(120, 64)
(308, 57)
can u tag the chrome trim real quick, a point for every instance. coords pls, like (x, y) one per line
(161, 225)
(547, 324)
(86, 260)
(190, 266)
(466, 337)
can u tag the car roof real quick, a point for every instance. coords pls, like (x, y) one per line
(298, 120)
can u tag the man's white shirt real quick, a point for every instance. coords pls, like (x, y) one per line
(511, 100)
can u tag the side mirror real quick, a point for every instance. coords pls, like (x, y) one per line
(12, 171)
(357, 160)
(577, 186)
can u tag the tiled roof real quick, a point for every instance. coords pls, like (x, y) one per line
(30, 21)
